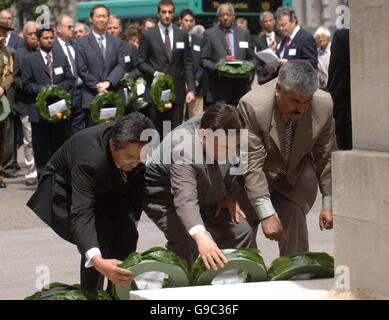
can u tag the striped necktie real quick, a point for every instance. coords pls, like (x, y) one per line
(102, 48)
(228, 41)
(290, 127)
(168, 44)
(123, 175)
(50, 66)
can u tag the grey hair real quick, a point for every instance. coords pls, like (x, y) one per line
(323, 30)
(298, 76)
(264, 13)
(27, 24)
(286, 11)
(58, 21)
(225, 5)
(198, 30)
(86, 28)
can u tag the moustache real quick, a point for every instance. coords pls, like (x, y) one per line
(296, 112)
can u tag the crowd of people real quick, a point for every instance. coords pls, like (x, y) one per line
(92, 185)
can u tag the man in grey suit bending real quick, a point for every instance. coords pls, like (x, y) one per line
(291, 137)
(192, 194)
(99, 60)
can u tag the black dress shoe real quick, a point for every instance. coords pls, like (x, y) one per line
(12, 175)
(2, 184)
(31, 182)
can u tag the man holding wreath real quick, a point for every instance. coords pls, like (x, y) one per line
(164, 49)
(45, 67)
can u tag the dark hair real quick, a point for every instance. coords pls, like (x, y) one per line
(286, 11)
(221, 116)
(39, 31)
(165, 3)
(186, 12)
(92, 11)
(128, 129)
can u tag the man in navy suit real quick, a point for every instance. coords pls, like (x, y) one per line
(13, 40)
(47, 137)
(297, 43)
(99, 61)
(165, 49)
(65, 43)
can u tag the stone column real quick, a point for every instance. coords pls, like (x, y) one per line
(361, 176)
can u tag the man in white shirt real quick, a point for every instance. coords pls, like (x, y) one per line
(64, 41)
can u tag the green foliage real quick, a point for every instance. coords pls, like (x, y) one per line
(238, 71)
(158, 85)
(103, 99)
(5, 108)
(52, 91)
(129, 83)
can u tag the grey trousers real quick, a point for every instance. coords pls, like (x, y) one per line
(226, 235)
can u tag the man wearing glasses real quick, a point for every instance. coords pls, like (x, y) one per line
(65, 42)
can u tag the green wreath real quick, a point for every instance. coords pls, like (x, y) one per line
(140, 101)
(50, 91)
(232, 68)
(159, 84)
(5, 109)
(102, 100)
(130, 84)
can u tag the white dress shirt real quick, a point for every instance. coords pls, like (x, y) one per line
(72, 52)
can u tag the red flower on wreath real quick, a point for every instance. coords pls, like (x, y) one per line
(230, 58)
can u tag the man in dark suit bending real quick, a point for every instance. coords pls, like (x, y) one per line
(90, 196)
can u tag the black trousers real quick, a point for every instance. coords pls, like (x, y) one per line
(117, 236)
(47, 138)
(76, 121)
(174, 115)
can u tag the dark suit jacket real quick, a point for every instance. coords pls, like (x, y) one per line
(15, 41)
(35, 75)
(263, 76)
(130, 60)
(93, 68)
(22, 99)
(196, 44)
(152, 57)
(304, 44)
(81, 179)
(59, 47)
(214, 48)
(340, 88)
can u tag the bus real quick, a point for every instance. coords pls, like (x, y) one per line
(130, 11)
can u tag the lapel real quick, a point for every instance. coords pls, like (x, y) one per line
(108, 48)
(236, 41)
(220, 33)
(158, 38)
(302, 139)
(277, 129)
(43, 63)
(263, 42)
(93, 43)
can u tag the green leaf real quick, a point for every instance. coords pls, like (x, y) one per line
(159, 84)
(101, 100)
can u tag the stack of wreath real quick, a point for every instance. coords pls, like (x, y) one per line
(103, 100)
(160, 84)
(230, 67)
(48, 95)
(133, 92)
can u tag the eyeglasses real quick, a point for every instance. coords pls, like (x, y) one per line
(70, 27)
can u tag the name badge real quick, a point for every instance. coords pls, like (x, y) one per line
(196, 48)
(127, 59)
(292, 52)
(243, 44)
(180, 45)
(58, 71)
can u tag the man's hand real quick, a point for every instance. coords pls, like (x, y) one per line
(233, 208)
(273, 45)
(159, 74)
(103, 86)
(326, 220)
(110, 269)
(190, 96)
(1, 91)
(209, 251)
(270, 69)
(272, 228)
(282, 61)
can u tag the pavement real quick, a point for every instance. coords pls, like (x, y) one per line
(32, 254)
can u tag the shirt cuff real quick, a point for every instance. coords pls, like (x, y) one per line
(327, 202)
(263, 207)
(155, 73)
(89, 256)
(196, 229)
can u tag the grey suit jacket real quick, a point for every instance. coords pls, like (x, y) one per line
(314, 142)
(152, 57)
(93, 68)
(191, 189)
